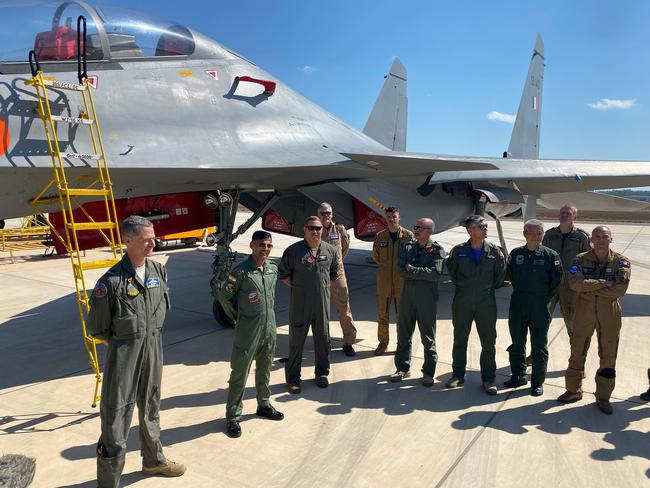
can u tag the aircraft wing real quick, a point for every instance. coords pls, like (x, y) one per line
(532, 176)
(397, 163)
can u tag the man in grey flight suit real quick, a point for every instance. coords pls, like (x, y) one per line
(308, 267)
(420, 264)
(248, 298)
(127, 311)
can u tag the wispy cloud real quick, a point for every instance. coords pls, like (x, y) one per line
(307, 69)
(498, 116)
(608, 103)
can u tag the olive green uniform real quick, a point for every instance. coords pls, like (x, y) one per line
(130, 314)
(337, 236)
(599, 286)
(419, 302)
(474, 300)
(568, 246)
(248, 298)
(535, 277)
(311, 274)
(385, 252)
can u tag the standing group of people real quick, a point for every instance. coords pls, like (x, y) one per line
(129, 303)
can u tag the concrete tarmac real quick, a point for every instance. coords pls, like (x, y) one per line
(361, 431)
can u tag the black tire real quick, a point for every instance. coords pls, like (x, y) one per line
(2, 224)
(220, 316)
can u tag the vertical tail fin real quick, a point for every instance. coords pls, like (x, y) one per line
(524, 142)
(387, 121)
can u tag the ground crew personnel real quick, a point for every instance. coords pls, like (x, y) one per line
(248, 298)
(385, 252)
(568, 241)
(420, 265)
(646, 396)
(127, 311)
(536, 273)
(600, 277)
(308, 267)
(337, 236)
(476, 268)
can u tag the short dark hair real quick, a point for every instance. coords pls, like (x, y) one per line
(261, 235)
(473, 220)
(311, 218)
(391, 210)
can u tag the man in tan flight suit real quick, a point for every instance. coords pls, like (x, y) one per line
(600, 277)
(337, 236)
(385, 252)
(568, 241)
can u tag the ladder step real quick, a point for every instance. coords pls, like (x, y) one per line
(72, 120)
(107, 263)
(86, 192)
(63, 85)
(80, 156)
(91, 225)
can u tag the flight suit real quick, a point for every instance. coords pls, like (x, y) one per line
(597, 308)
(385, 253)
(576, 242)
(130, 314)
(248, 298)
(419, 302)
(474, 300)
(311, 275)
(337, 236)
(535, 277)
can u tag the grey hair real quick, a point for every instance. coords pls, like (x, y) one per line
(533, 223)
(132, 225)
(473, 220)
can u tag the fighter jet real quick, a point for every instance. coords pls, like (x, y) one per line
(192, 123)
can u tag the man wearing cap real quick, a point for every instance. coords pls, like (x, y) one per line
(535, 273)
(600, 277)
(476, 268)
(385, 252)
(308, 267)
(248, 298)
(337, 236)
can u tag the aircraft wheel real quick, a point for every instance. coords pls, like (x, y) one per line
(220, 316)
(2, 224)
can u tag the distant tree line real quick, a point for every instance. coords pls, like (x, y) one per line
(626, 192)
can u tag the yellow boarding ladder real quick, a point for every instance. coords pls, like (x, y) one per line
(100, 188)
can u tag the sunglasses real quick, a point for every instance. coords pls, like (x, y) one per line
(314, 228)
(418, 228)
(326, 213)
(481, 226)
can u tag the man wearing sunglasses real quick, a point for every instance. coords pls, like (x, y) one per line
(420, 265)
(337, 236)
(248, 298)
(308, 267)
(476, 268)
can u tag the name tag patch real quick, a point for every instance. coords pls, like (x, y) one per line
(383, 244)
(321, 257)
(153, 282)
(519, 259)
(539, 262)
(253, 297)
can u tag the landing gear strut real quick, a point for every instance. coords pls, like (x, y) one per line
(226, 203)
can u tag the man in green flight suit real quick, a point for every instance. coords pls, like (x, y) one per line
(248, 298)
(568, 241)
(420, 264)
(127, 311)
(476, 267)
(535, 273)
(308, 267)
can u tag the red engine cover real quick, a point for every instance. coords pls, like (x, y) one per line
(177, 212)
(367, 222)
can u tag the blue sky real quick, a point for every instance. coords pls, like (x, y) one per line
(464, 60)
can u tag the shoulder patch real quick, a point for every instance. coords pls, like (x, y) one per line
(574, 269)
(100, 290)
(624, 263)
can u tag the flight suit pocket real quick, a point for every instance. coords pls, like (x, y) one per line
(125, 327)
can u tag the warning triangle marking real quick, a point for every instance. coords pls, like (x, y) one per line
(93, 81)
(213, 73)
